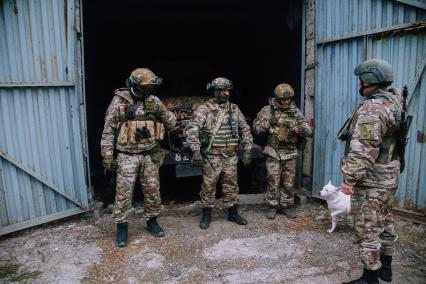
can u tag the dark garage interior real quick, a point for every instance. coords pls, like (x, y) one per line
(256, 44)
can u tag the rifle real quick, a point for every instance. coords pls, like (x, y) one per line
(402, 139)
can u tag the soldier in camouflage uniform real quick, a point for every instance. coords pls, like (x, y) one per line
(285, 126)
(371, 168)
(135, 122)
(215, 133)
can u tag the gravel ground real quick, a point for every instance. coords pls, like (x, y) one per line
(264, 251)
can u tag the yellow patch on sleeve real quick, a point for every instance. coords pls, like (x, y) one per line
(366, 131)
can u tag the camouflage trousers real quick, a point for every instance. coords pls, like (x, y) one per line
(129, 168)
(280, 177)
(372, 210)
(224, 169)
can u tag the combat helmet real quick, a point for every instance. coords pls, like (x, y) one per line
(375, 71)
(142, 77)
(284, 91)
(220, 83)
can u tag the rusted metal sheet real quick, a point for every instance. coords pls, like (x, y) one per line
(41, 158)
(347, 33)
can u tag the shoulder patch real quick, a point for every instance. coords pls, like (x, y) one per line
(366, 131)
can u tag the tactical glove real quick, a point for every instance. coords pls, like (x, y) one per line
(197, 159)
(273, 121)
(109, 163)
(246, 158)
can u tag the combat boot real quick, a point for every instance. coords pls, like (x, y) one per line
(289, 212)
(368, 277)
(154, 228)
(122, 229)
(271, 213)
(233, 215)
(207, 218)
(385, 272)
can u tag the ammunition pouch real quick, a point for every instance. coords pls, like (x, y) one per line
(135, 132)
(275, 143)
(142, 133)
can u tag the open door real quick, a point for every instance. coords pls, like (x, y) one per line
(42, 135)
(347, 33)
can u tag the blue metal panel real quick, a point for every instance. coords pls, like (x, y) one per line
(336, 18)
(41, 157)
(336, 97)
(339, 50)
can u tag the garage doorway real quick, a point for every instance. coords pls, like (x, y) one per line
(256, 44)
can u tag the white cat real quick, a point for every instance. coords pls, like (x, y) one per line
(338, 202)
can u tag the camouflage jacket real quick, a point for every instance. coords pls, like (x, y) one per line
(281, 145)
(124, 134)
(370, 160)
(208, 118)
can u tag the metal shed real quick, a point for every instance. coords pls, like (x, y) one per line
(42, 125)
(347, 33)
(44, 169)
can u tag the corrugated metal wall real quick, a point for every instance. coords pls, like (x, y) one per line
(41, 158)
(347, 33)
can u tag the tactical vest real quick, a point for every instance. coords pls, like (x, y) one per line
(224, 137)
(143, 127)
(220, 129)
(387, 147)
(281, 137)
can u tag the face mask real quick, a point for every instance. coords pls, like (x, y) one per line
(142, 92)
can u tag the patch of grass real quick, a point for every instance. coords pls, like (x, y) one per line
(8, 270)
(11, 273)
(25, 276)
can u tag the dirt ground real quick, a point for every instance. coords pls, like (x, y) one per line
(82, 250)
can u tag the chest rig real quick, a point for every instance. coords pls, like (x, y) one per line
(282, 137)
(139, 121)
(221, 126)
